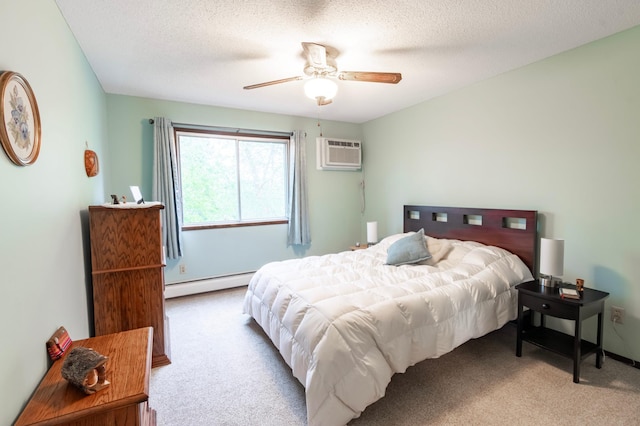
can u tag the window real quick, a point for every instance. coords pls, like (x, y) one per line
(230, 180)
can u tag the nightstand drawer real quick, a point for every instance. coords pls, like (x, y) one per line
(550, 307)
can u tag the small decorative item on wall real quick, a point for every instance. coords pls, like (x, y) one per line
(91, 162)
(20, 126)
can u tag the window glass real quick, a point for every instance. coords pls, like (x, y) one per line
(231, 179)
(262, 180)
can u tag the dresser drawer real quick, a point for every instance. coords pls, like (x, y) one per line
(549, 307)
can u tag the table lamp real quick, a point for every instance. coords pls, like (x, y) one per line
(372, 233)
(551, 260)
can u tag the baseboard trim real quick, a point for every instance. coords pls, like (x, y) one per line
(204, 286)
(623, 359)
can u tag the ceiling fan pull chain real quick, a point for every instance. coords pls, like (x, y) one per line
(319, 125)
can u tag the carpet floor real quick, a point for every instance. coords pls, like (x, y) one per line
(225, 371)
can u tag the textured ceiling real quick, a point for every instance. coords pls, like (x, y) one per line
(205, 51)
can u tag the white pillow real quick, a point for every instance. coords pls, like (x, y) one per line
(439, 249)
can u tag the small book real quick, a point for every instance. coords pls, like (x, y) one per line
(569, 293)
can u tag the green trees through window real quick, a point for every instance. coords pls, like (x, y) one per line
(229, 179)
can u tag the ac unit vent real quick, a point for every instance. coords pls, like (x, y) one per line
(338, 154)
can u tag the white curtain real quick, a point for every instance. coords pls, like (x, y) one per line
(166, 188)
(298, 232)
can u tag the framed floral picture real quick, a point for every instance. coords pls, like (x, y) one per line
(20, 126)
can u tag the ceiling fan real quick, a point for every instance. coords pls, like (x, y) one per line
(321, 67)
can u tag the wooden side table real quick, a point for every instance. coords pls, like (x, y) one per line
(123, 402)
(547, 301)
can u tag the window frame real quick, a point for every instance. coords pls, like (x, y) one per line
(234, 135)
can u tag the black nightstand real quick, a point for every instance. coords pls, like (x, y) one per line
(547, 301)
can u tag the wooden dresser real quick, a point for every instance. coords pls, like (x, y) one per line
(124, 402)
(127, 262)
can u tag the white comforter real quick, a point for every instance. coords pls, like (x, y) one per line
(346, 322)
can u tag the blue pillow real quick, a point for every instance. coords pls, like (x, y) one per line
(409, 249)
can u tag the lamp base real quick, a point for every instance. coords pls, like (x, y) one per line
(547, 282)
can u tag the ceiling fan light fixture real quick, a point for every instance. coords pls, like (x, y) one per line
(319, 87)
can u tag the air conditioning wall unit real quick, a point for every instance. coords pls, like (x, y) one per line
(338, 154)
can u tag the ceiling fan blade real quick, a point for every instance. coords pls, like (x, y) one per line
(271, 83)
(372, 77)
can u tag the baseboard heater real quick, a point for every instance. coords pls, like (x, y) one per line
(206, 285)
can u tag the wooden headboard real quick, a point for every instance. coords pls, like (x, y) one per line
(513, 230)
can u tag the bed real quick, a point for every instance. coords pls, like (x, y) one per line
(346, 322)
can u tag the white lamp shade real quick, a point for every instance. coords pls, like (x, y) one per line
(551, 257)
(320, 88)
(372, 232)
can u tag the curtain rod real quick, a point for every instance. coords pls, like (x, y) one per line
(227, 129)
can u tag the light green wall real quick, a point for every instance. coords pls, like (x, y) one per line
(334, 196)
(43, 280)
(561, 136)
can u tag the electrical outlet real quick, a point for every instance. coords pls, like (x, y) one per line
(182, 269)
(617, 314)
